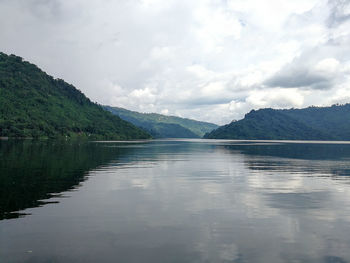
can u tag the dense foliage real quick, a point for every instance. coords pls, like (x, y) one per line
(161, 126)
(34, 104)
(313, 123)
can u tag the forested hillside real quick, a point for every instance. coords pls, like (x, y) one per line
(34, 104)
(313, 123)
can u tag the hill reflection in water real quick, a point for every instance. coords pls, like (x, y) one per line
(176, 201)
(32, 172)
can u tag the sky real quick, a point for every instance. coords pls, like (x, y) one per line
(210, 60)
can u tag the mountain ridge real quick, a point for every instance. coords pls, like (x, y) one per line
(312, 123)
(163, 126)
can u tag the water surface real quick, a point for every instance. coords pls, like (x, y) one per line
(175, 201)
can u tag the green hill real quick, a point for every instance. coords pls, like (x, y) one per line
(34, 104)
(313, 123)
(161, 126)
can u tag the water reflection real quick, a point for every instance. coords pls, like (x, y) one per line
(194, 201)
(313, 159)
(31, 172)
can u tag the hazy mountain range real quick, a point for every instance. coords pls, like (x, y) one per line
(162, 126)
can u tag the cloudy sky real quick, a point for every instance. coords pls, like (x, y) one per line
(211, 60)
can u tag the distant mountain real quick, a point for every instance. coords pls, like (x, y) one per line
(162, 126)
(34, 104)
(313, 123)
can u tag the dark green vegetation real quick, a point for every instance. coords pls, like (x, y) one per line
(31, 171)
(161, 126)
(34, 104)
(313, 123)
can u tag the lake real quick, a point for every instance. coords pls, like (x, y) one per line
(174, 201)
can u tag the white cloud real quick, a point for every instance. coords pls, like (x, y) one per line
(213, 26)
(200, 72)
(165, 111)
(328, 66)
(211, 60)
(275, 98)
(213, 89)
(278, 98)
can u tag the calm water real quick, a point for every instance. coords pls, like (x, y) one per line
(174, 201)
